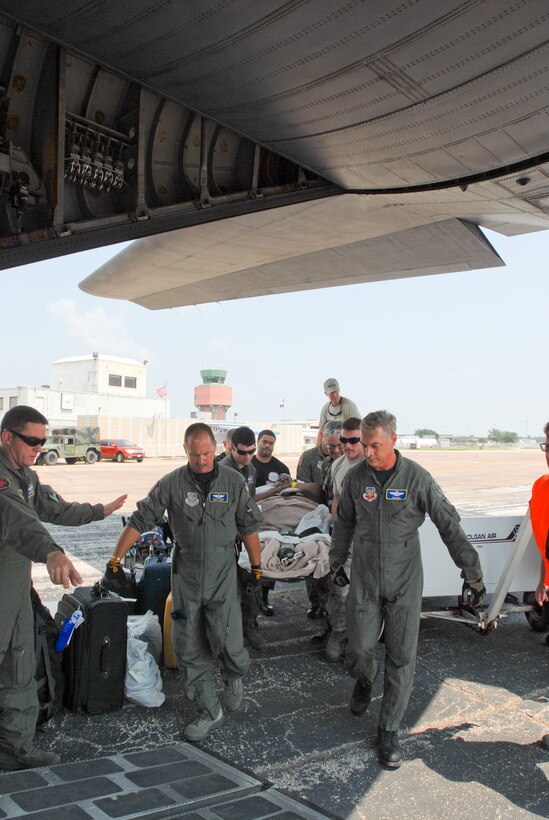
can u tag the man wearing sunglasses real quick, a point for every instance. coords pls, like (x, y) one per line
(384, 500)
(23, 433)
(314, 470)
(353, 453)
(242, 451)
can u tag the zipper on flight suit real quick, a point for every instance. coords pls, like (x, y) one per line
(380, 510)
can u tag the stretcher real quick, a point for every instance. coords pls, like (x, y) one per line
(508, 554)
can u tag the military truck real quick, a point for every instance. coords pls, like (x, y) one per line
(71, 443)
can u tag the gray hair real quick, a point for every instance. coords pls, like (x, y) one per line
(331, 428)
(379, 418)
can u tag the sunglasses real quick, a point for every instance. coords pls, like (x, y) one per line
(32, 441)
(351, 440)
(245, 452)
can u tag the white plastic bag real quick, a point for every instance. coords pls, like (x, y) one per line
(319, 518)
(143, 682)
(147, 628)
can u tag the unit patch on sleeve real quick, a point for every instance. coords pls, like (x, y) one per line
(4, 484)
(218, 498)
(396, 495)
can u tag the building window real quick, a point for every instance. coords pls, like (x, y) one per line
(1, 405)
(130, 381)
(115, 381)
(13, 401)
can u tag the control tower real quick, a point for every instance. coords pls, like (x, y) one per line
(213, 395)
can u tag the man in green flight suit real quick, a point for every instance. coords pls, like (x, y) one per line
(383, 502)
(208, 505)
(23, 433)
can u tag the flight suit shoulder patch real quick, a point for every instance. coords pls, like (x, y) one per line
(4, 484)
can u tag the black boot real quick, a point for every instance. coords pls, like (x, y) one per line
(266, 607)
(323, 636)
(252, 635)
(388, 751)
(361, 697)
(316, 611)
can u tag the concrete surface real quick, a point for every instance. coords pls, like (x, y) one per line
(470, 738)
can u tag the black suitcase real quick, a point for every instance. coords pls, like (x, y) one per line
(94, 662)
(154, 586)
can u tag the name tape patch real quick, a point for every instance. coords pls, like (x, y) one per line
(218, 498)
(396, 495)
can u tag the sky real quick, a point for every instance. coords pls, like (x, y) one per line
(459, 353)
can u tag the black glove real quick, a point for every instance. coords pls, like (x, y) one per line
(255, 573)
(473, 593)
(339, 576)
(115, 579)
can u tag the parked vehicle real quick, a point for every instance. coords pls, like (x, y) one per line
(120, 449)
(71, 443)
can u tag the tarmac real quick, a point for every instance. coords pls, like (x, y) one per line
(470, 738)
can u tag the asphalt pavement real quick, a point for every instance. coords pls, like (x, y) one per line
(470, 737)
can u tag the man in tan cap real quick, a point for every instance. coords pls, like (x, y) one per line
(338, 408)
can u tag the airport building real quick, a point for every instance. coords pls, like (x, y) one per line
(110, 392)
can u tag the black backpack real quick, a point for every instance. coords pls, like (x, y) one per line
(50, 679)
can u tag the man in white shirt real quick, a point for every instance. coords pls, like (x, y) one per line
(338, 408)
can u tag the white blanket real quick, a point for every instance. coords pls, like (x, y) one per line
(315, 561)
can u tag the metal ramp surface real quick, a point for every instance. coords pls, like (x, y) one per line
(172, 781)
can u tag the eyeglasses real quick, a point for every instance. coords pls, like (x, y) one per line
(245, 452)
(351, 440)
(333, 446)
(543, 446)
(32, 441)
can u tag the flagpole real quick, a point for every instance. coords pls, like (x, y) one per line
(166, 420)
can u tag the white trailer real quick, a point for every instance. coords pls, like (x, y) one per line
(510, 562)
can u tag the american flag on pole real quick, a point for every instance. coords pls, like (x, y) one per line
(162, 392)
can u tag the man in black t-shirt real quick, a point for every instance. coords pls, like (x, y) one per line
(268, 468)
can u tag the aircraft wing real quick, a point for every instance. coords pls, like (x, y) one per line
(281, 252)
(276, 145)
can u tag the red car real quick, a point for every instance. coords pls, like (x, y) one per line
(120, 449)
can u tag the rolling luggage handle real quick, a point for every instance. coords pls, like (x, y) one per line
(100, 591)
(104, 664)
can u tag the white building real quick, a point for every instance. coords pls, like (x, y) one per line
(91, 385)
(110, 392)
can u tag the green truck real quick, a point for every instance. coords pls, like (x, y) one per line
(71, 443)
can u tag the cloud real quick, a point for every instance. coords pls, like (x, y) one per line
(220, 344)
(465, 375)
(98, 330)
